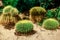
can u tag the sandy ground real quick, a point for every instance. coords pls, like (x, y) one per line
(41, 34)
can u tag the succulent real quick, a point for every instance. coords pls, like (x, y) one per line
(14, 12)
(50, 24)
(24, 26)
(35, 11)
(7, 9)
(5, 19)
(10, 2)
(10, 15)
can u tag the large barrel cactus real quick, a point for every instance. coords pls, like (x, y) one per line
(9, 16)
(24, 26)
(37, 13)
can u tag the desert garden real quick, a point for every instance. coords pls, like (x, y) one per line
(29, 20)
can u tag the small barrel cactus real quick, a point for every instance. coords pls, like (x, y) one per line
(37, 13)
(14, 12)
(50, 24)
(5, 19)
(7, 9)
(10, 16)
(24, 26)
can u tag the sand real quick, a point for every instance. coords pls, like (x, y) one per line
(41, 34)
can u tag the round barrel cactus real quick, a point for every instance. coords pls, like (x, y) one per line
(51, 24)
(10, 15)
(7, 9)
(37, 14)
(24, 26)
(14, 12)
(35, 11)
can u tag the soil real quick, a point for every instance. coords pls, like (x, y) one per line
(25, 34)
(9, 26)
(39, 34)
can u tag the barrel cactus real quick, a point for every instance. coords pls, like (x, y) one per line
(7, 9)
(51, 24)
(37, 13)
(9, 16)
(5, 19)
(24, 26)
(14, 11)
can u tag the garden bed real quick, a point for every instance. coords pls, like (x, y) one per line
(40, 34)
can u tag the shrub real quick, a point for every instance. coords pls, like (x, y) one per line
(25, 5)
(58, 16)
(37, 13)
(50, 24)
(51, 13)
(24, 26)
(58, 13)
(10, 2)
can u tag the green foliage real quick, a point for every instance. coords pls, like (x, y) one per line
(41, 22)
(10, 2)
(37, 11)
(24, 26)
(25, 5)
(51, 24)
(1, 11)
(45, 3)
(58, 13)
(51, 13)
(58, 16)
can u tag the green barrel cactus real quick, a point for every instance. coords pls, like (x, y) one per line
(14, 12)
(24, 26)
(50, 24)
(37, 14)
(10, 15)
(7, 9)
(35, 11)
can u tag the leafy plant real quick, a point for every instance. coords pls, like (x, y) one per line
(51, 24)
(24, 26)
(58, 16)
(58, 13)
(10, 2)
(51, 13)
